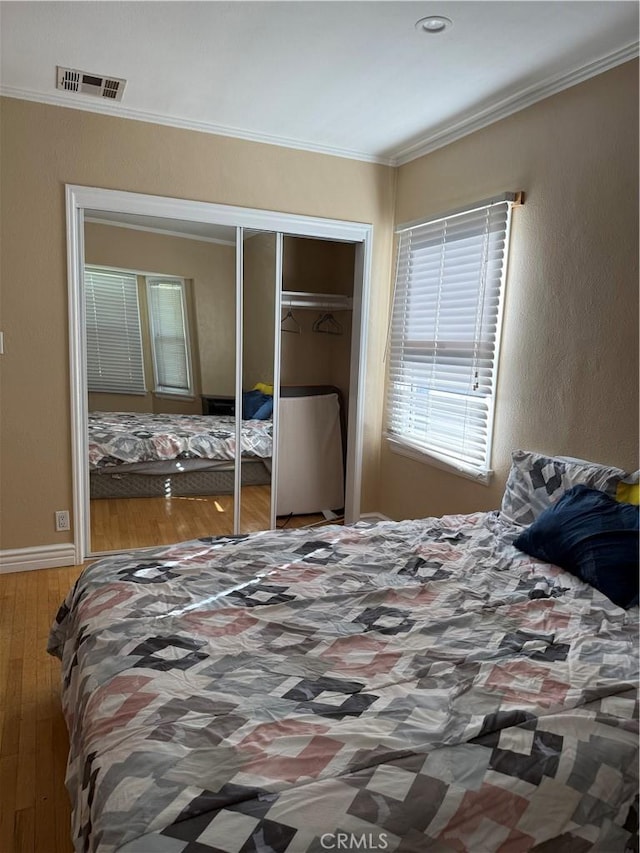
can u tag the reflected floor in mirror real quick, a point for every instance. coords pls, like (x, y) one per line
(121, 524)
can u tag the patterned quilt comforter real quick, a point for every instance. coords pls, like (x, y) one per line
(117, 437)
(405, 686)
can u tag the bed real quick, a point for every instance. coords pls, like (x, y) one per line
(134, 454)
(408, 686)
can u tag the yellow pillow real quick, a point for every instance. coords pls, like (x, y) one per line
(262, 386)
(628, 493)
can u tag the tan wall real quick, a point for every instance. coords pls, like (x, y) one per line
(43, 148)
(569, 366)
(211, 286)
(317, 266)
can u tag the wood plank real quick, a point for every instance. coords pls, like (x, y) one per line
(62, 805)
(25, 827)
(26, 781)
(45, 831)
(8, 775)
(43, 698)
(12, 697)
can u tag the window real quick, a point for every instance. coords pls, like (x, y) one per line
(445, 333)
(169, 336)
(114, 341)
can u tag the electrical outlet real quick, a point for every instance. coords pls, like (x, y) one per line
(62, 520)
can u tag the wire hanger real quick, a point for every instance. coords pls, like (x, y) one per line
(290, 324)
(328, 325)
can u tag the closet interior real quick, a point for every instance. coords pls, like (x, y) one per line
(315, 366)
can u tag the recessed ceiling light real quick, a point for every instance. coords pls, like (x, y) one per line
(433, 24)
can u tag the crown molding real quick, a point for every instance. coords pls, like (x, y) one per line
(477, 119)
(117, 111)
(164, 232)
(466, 124)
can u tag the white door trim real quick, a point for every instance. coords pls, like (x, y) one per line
(359, 326)
(277, 348)
(79, 199)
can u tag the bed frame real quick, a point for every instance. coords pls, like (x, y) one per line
(110, 483)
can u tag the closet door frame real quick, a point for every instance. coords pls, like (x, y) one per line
(79, 199)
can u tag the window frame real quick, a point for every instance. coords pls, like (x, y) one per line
(187, 393)
(404, 444)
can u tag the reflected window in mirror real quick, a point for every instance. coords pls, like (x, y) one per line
(132, 320)
(170, 346)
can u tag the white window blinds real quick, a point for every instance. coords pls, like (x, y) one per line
(114, 343)
(169, 336)
(445, 335)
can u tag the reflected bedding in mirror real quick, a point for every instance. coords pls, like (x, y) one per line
(123, 437)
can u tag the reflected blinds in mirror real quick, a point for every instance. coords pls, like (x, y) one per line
(169, 339)
(114, 341)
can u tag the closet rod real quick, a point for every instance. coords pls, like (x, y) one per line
(328, 301)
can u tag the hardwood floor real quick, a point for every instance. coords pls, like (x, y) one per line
(34, 807)
(119, 524)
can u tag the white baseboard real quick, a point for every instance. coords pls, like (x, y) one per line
(374, 516)
(40, 557)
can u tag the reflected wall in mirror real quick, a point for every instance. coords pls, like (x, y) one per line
(160, 301)
(260, 281)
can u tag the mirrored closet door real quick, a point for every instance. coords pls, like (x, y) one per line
(160, 309)
(261, 253)
(181, 371)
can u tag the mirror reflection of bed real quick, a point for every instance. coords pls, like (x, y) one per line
(176, 475)
(172, 286)
(160, 312)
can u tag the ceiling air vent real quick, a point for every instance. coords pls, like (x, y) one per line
(72, 80)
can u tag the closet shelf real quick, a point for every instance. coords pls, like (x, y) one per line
(329, 301)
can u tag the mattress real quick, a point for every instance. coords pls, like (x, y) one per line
(407, 686)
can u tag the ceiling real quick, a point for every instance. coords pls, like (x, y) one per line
(354, 79)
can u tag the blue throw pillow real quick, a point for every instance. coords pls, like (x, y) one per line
(265, 411)
(592, 536)
(253, 402)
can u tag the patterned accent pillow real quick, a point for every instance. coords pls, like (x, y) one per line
(536, 482)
